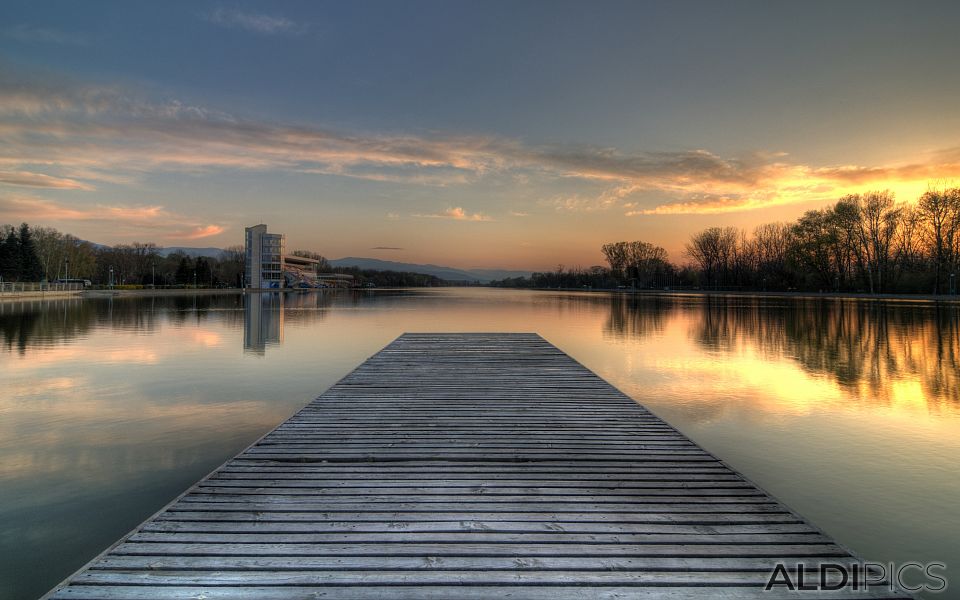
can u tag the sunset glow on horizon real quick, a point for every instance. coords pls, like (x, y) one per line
(466, 134)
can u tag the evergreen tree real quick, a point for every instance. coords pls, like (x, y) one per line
(10, 256)
(204, 273)
(185, 271)
(29, 261)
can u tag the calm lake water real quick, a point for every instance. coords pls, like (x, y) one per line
(848, 411)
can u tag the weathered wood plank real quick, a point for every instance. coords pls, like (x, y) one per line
(476, 549)
(572, 591)
(565, 527)
(478, 536)
(433, 563)
(401, 518)
(432, 577)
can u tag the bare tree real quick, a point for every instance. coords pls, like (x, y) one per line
(51, 250)
(879, 217)
(848, 256)
(814, 246)
(907, 244)
(771, 243)
(714, 250)
(616, 255)
(939, 211)
(645, 261)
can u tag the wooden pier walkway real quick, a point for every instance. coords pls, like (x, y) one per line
(467, 466)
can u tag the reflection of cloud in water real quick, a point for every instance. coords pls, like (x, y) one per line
(107, 437)
(101, 351)
(40, 388)
(207, 338)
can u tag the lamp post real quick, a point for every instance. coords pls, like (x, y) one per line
(953, 283)
(66, 268)
(111, 277)
(194, 279)
(153, 275)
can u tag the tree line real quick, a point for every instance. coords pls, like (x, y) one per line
(863, 243)
(45, 254)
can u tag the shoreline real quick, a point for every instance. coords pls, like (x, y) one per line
(51, 295)
(756, 294)
(927, 298)
(164, 292)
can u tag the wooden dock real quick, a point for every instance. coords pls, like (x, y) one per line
(467, 466)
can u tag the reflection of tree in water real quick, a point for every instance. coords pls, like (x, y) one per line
(863, 345)
(197, 307)
(29, 324)
(23, 324)
(722, 319)
(636, 316)
(313, 305)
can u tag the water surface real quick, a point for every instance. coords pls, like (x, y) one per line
(846, 410)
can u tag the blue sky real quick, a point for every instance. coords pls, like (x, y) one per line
(520, 134)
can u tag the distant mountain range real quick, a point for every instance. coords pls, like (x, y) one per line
(167, 251)
(192, 252)
(445, 273)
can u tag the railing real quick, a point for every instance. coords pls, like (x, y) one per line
(17, 287)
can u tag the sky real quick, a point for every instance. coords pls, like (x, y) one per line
(471, 134)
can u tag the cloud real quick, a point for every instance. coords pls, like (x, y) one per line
(44, 35)
(125, 221)
(255, 22)
(200, 232)
(386, 248)
(59, 133)
(39, 180)
(605, 200)
(456, 214)
(517, 213)
(708, 204)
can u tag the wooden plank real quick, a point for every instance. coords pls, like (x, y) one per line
(478, 536)
(402, 519)
(432, 577)
(571, 591)
(431, 563)
(565, 527)
(468, 466)
(475, 549)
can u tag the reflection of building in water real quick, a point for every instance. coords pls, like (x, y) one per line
(263, 321)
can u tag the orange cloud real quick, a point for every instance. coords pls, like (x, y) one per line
(39, 180)
(130, 220)
(457, 214)
(201, 232)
